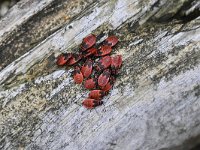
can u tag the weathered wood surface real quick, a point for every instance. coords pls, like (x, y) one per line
(155, 103)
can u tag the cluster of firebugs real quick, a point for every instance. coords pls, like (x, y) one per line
(98, 68)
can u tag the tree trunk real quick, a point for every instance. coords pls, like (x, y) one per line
(155, 102)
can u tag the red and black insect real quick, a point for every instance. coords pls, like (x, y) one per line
(86, 69)
(88, 42)
(63, 58)
(116, 63)
(109, 85)
(101, 79)
(104, 50)
(103, 63)
(78, 76)
(96, 94)
(90, 83)
(104, 78)
(91, 103)
(74, 59)
(90, 52)
(111, 41)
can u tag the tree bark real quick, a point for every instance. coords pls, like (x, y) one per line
(155, 102)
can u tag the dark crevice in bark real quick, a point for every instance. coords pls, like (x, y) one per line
(196, 147)
(181, 14)
(36, 29)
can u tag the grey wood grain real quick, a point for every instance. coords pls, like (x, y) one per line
(155, 102)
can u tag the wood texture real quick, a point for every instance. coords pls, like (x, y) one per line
(155, 103)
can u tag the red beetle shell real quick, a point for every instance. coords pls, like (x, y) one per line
(86, 69)
(103, 63)
(91, 103)
(63, 58)
(111, 41)
(104, 50)
(116, 63)
(96, 94)
(90, 52)
(90, 83)
(109, 85)
(104, 78)
(74, 59)
(88, 42)
(78, 76)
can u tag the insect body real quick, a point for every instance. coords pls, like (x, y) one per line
(90, 52)
(96, 94)
(88, 42)
(74, 59)
(91, 103)
(78, 76)
(90, 83)
(116, 63)
(87, 68)
(100, 74)
(62, 59)
(109, 85)
(103, 63)
(104, 78)
(104, 50)
(111, 41)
